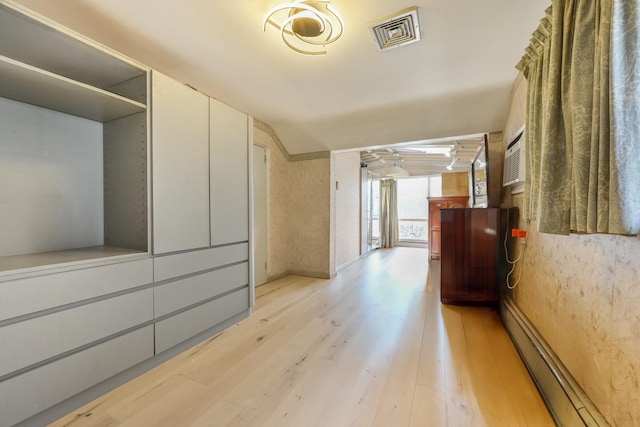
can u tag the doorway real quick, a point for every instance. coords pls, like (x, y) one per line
(260, 214)
(370, 211)
(413, 212)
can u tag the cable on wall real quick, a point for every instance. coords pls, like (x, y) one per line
(523, 234)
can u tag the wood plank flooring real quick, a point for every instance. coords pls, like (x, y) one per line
(372, 347)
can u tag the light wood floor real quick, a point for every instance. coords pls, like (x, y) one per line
(372, 347)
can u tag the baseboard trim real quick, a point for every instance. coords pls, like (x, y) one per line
(304, 273)
(350, 263)
(568, 404)
(314, 274)
(276, 277)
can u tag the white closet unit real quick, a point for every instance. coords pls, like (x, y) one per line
(229, 150)
(72, 124)
(88, 295)
(180, 119)
(199, 288)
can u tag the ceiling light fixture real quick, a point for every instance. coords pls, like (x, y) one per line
(453, 162)
(397, 172)
(306, 26)
(438, 150)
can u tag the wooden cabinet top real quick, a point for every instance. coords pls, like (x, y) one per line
(444, 198)
(450, 201)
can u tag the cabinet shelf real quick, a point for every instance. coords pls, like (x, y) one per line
(44, 44)
(31, 85)
(12, 264)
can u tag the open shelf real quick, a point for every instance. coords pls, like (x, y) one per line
(73, 147)
(32, 261)
(34, 40)
(24, 83)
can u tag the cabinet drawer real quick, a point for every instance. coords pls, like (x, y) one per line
(170, 266)
(33, 294)
(178, 328)
(34, 340)
(27, 394)
(183, 293)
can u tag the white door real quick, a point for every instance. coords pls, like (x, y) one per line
(260, 214)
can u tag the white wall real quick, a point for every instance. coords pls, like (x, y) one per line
(346, 173)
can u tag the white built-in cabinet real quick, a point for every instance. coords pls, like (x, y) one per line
(124, 215)
(180, 159)
(200, 211)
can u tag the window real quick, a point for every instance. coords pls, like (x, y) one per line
(435, 186)
(412, 209)
(374, 213)
(412, 206)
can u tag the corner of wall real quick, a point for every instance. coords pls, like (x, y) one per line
(298, 208)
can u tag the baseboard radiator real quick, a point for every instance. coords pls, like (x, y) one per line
(567, 402)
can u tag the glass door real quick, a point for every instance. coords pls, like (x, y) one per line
(373, 211)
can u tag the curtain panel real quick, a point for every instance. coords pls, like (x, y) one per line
(388, 213)
(583, 118)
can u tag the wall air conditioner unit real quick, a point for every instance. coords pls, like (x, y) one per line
(514, 163)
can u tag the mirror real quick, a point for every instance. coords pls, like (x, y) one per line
(479, 176)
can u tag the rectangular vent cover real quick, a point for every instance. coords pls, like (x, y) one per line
(398, 30)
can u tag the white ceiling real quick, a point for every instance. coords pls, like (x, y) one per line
(455, 81)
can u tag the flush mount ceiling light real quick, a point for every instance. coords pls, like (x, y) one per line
(306, 26)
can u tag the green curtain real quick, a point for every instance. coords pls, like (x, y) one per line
(625, 93)
(577, 178)
(388, 213)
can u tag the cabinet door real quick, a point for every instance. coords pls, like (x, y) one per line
(229, 174)
(180, 164)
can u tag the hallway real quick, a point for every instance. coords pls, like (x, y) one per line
(371, 347)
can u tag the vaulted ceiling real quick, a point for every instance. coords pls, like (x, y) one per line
(456, 81)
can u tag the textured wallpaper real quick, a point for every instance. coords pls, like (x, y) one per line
(307, 212)
(582, 293)
(297, 212)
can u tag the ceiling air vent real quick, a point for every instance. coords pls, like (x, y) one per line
(397, 30)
